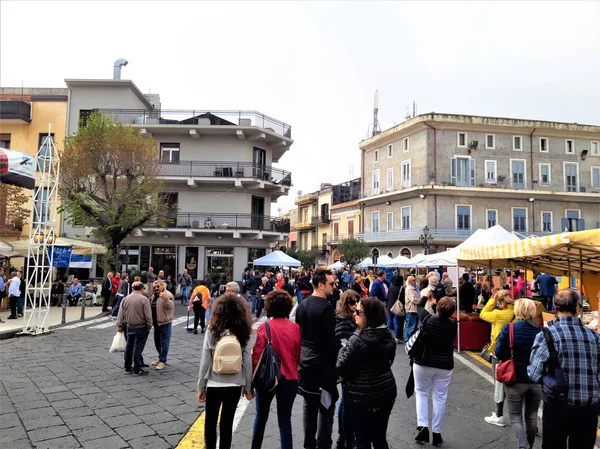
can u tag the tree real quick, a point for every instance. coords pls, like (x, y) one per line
(13, 210)
(108, 180)
(306, 257)
(353, 250)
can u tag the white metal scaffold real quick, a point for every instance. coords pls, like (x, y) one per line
(42, 235)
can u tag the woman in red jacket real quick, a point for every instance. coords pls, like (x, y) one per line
(285, 338)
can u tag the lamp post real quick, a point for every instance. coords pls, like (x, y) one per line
(425, 240)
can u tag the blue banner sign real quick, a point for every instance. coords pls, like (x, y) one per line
(61, 256)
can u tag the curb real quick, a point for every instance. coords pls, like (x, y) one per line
(11, 333)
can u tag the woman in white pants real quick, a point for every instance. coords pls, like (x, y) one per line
(433, 367)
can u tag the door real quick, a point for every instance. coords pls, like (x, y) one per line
(518, 174)
(258, 213)
(463, 171)
(571, 180)
(351, 229)
(259, 163)
(376, 182)
(171, 199)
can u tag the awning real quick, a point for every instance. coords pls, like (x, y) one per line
(79, 246)
(556, 254)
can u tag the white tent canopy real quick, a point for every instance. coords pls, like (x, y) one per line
(336, 266)
(277, 259)
(382, 261)
(399, 262)
(365, 263)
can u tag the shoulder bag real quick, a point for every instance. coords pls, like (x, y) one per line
(555, 387)
(506, 372)
(267, 373)
(416, 343)
(398, 308)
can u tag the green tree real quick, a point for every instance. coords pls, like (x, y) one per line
(13, 210)
(109, 181)
(353, 250)
(306, 257)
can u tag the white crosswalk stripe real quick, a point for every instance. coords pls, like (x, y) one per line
(84, 323)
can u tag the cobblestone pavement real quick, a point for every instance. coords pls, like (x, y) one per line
(65, 390)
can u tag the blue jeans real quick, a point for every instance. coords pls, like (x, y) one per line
(184, 291)
(345, 430)
(299, 295)
(252, 299)
(115, 309)
(412, 319)
(259, 306)
(165, 339)
(136, 341)
(286, 393)
(397, 324)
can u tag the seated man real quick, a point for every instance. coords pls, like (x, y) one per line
(74, 292)
(57, 292)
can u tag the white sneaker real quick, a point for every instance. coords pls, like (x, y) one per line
(495, 420)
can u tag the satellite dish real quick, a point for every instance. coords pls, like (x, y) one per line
(299, 192)
(279, 209)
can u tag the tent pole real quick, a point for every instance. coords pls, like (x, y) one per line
(458, 313)
(581, 282)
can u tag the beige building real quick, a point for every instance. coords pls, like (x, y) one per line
(457, 173)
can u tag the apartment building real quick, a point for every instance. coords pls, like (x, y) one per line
(456, 173)
(25, 117)
(216, 167)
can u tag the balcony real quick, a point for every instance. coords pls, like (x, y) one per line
(413, 235)
(305, 225)
(307, 199)
(199, 117)
(321, 219)
(333, 240)
(15, 110)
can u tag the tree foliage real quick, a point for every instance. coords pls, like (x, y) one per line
(13, 210)
(306, 257)
(353, 250)
(109, 181)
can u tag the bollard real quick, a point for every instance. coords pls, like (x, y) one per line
(82, 308)
(63, 301)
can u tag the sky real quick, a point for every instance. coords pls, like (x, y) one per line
(316, 65)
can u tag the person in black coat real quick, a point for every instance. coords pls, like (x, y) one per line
(396, 292)
(360, 287)
(365, 365)
(433, 367)
(467, 294)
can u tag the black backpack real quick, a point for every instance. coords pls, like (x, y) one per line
(222, 289)
(440, 291)
(555, 387)
(267, 373)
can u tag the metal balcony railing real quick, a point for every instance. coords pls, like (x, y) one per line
(413, 234)
(320, 219)
(210, 220)
(305, 224)
(336, 239)
(223, 169)
(199, 117)
(308, 198)
(396, 187)
(16, 110)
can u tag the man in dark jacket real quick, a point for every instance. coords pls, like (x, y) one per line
(316, 318)
(106, 291)
(467, 294)
(547, 288)
(254, 281)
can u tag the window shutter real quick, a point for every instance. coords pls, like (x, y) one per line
(472, 172)
(453, 170)
(564, 224)
(580, 224)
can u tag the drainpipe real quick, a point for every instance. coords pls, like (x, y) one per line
(435, 215)
(362, 180)
(531, 157)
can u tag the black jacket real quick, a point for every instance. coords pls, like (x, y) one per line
(467, 296)
(253, 283)
(395, 292)
(106, 288)
(357, 289)
(316, 318)
(439, 339)
(525, 333)
(344, 327)
(365, 364)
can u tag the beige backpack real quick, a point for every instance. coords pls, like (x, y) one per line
(227, 357)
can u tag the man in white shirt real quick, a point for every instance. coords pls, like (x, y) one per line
(14, 292)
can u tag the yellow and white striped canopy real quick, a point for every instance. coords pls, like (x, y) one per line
(557, 254)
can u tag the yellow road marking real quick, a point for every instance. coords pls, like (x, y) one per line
(194, 438)
(478, 358)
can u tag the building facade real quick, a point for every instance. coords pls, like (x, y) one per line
(217, 170)
(454, 174)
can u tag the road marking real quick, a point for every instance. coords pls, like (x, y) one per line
(194, 438)
(475, 368)
(103, 326)
(239, 412)
(479, 358)
(178, 321)
(84, 323)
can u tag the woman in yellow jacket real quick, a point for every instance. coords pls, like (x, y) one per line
(498, 311)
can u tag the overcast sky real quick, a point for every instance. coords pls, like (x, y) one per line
(316, 65)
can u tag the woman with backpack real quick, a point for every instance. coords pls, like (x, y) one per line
(225, 368)
(286, 342)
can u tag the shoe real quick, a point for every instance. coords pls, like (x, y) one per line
(156, 362)
(202, 331)
(397, 340)
(160, 365)
(437, 439)
(341, 443)
(128, 371)
(423, 435)
(144, 365)
(195, 332)
(141, 373)
(19, 315)
(12, 318)
(2, 321)
(495, 420)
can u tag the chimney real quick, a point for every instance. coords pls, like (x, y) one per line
(117, 68)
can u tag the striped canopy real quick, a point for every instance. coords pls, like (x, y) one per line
(556, 254)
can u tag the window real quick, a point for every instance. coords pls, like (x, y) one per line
(405, 144)
(390, 148)
(390, 254)
(544, 145)
(375, 221)
(376, 183)
(517, 173)
(519, 219)
(41, 211)
(595, 148)
(490, 141)
(390, 221)
(595, 177)
(406, 252)
(572, 222)
(569, 146)
(351, 228)
(5, 141)
(462, 171)
(45, 145)
(461, 139)
(545, 174)
(571, 175)
(517, 143)
(376, 156)
(546, 221)
(463, 217)
(169, 153)
(492, 217)
(84, 115)
(406, 175)
(336, 229)
(389, 185)
(406, 218)
(490, 172)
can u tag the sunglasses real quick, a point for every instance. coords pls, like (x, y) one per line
(358, 312)
(352, 302)
(331, 284)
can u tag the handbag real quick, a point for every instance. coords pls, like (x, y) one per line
(267, 373)
(506, 371)
(486, 354)
(398, 308)
(555, 387)
(416, 343)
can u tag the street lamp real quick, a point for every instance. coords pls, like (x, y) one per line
(425, 240)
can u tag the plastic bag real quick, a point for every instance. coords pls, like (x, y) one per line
(118, 343)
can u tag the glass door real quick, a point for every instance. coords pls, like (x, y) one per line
(571, 180)
(259, 163)
(518, 174)
(258, 213)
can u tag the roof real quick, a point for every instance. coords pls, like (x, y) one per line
(109, 83)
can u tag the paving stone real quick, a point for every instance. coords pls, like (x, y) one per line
(87, 390)
(180, 410)
(55, 389)
(46, 421)
(10, 420)
(156, 418)
(81, 422)
(171, 428)
(112, 411)
(113, 442)
(147, 409)
(69, 403)
(12, 434)
(58, 443)
(48, 433)
(93, 433)
(157, 393)
(174, 440)
(135, 431)
(28, 397)
(154, 442)
(168, 400)
(39, 403)
(137, 402)
(60, 396)
(126, 394)
(75, 412)
(123, 420)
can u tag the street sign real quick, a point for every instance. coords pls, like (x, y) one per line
(17, 169)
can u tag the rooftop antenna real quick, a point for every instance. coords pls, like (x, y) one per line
(407, 116)
(376, 128)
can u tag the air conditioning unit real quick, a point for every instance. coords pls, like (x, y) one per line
(195, 224)
(582, 189)
(204, 121)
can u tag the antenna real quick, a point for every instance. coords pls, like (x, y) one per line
(407, 116)
(376, 128)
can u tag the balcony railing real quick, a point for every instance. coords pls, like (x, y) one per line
(305, 225)
(396, 187)
(210, 220)
(321, 219)
(308, 198)
(336, 239)
(413, 234)
(199, 117)
(16, 110)
(216, 169)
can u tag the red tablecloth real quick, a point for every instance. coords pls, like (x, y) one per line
(474, 335)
